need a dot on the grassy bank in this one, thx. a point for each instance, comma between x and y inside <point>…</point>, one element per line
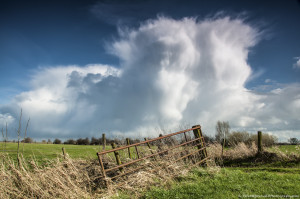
<point>230,183</point>
<point>41,153</point>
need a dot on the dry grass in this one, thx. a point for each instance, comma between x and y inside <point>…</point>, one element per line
<point>66,179</point>
<point>242,151</point>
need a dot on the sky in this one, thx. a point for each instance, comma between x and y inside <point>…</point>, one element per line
<point>139,68</point>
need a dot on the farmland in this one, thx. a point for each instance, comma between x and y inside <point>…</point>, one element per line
<point>277,178</point>
<point>51,151</point>
<point>231,183</point>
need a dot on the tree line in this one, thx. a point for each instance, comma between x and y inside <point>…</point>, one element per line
<point>223,136</point>
<point>94,141</point>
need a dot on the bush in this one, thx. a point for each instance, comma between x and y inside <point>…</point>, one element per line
<point>57,141</point>
<point>28,140</point>
<point>293,141</point>
<point>95,141</point>
<point>81,141</point>
<point>208,139</point>
<point>267,140</point>
<point>70,141</point>
<point>237,137</point>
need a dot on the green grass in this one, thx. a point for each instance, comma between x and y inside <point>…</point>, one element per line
<point>44,152</point>
<point>229,184</point>
<point>276,178</point>
<point>288,149</point>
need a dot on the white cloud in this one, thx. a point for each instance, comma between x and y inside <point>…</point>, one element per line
<point>6,118</point>
<point>268,81</point>
<point>171,71</point>
<point>297,64</point>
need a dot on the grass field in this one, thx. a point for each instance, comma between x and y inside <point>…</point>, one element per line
<point>43,152</point>
<point>230,183</point>
<point>288,149</point>
<point>278,179</point>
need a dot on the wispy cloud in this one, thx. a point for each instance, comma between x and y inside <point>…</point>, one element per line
<point>297,64</point>
<point>117,13</point>
<point>171,71</point>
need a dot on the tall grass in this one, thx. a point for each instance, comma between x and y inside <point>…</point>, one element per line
<point>78,178</point>
<point>66,179</point>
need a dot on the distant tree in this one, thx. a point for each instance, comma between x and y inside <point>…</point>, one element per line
<point>95,141</point>
<point>81,141</point>
<point>222,131</point>
<point>28,140</point>
<point>208,139</point>
<point>236,137</point>
<point>267,140</point>
<point>293,141</point>
<point>49,141</point>
<point>117,141</point>
<point>135,141</point>
<point>70,141</point>
<point>57,141</point>
<point>86,141</point>
<point>44,141</point>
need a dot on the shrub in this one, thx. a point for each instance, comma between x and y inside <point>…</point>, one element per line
<point>293,141</point>
<point>28,140</point>
<point>267,140</point>
<point>57,141</point>
<point>236,137</point>
<point>81,141</point>
<point>70,141</point>
<point>95,141</point>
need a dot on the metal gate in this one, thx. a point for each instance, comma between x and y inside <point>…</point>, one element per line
<point>182,145</point>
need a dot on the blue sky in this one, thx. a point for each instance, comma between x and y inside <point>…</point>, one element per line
<point>80,41</point>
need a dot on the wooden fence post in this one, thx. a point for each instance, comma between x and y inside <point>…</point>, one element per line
<point>148,144</point>
<point>198,134</point>
<point>129,152</point>
<point>259,142</point>
<point>103,141</point>
<point>64,152</point>
<point>137,152</point>
<point>118,160</point>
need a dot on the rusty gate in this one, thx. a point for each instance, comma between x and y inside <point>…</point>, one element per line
<point>180,145</point>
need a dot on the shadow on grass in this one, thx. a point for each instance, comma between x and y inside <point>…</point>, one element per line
<point>265,159</point>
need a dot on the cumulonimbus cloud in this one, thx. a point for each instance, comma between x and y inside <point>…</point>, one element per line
<point>171,72</point>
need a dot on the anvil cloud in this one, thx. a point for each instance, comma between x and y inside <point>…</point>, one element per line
<point>171,72</point>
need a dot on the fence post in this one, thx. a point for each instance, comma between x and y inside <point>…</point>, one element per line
<point>259,142</point>
<point>64,152</point>
<point>137,152</point>
<point>103,141</point>
<point>203,142</point>
<point>148,144</point>
<point>160,147</point>
<point>198,134</point>
<point>185,137</point>
<point>103,170</point>
<point>118,160</point>
<point>129,152</point>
